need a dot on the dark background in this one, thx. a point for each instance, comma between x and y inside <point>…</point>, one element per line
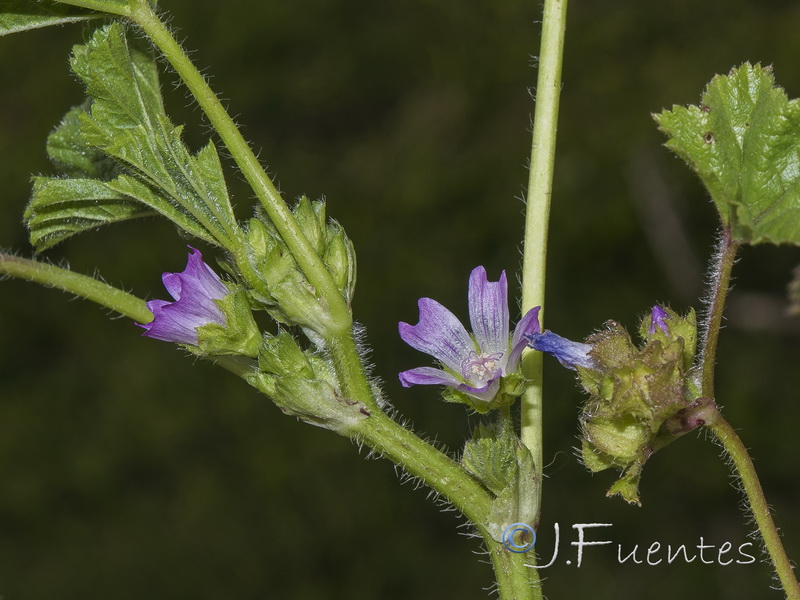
<point>130,470</point>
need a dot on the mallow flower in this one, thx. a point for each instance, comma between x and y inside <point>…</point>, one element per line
<point>477,366</point>
<point>195,291</point>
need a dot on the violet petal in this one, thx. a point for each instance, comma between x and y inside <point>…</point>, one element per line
<point>488,311</point>
<point>528,325</point>
<point>438,333</point>
<point>195,291</point>
<point>428,376</point>
<point>658,318</point>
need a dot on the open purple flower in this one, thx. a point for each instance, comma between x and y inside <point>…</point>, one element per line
<point>195,291</point>
<point>472,364</point>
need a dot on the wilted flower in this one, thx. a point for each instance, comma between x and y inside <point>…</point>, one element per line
<point>472,364</point>
<point>195,291</point>
<point>570,354</point>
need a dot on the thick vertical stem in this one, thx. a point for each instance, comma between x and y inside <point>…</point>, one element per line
<point>540,184</point>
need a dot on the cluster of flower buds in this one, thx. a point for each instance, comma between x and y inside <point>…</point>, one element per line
<point>277,283</point>
<point>640,397</point>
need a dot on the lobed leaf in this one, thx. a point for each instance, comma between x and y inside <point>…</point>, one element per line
<point>123,140</point>
<point>23,15</point>
<point>744,143</point>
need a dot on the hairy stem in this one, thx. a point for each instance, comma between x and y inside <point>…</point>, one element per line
<point>757,502</point>
<point>720,281</point>
<point>515,579</point>
<point>722,430</point>
<point>439,472</point>
<point>84,286</point>
<point>540,185</point>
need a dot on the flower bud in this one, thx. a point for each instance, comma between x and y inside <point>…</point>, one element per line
<point>310,216</point>
<point>340,258</point>
<point>277,283</point>
<point>304,385</point>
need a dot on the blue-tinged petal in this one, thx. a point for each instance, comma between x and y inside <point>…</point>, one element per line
<point>428,376</point>
<point>570,354</point>
<point>528,325</point>
<point>488,311</point>
<point>658,318</point>
<point>438,333</point>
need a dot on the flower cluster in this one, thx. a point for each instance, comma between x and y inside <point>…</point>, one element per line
<point>641,397</point>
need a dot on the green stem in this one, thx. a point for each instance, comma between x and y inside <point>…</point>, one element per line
<point>540,185</point>
<point>274,205</point>
<point>420,459</point>
<point>439,472</point>
<point>757,501</point>
<point>721,279</point>
<point>84,286</point>
<point>722,430</point>
<point>515,579</point>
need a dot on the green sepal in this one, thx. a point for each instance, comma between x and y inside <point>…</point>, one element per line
<point>617,439</point>
<point>496,457</point>
<point>511,387</point>
<point>490,456</point>
<point>281,355</point>
<point>627,486</point>
<point>683,328</point>
<point>240,334</point>
<point>304,385</point>
<point>276,281</point>
<point>340,258</point>
<point>743,140</point>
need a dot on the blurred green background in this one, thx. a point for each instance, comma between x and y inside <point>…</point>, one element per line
<point>130,470</point>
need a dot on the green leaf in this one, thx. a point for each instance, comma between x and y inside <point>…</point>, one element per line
<point>65,207</point>
<point>125,143</point>
<point>744,143</point>
<point>22,15</point>
<point>72,155</point>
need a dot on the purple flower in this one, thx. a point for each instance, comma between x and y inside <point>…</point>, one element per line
<point>570,354</point>
<point>658,318</point>
<point>195,291</point>
<point>472,364</point>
